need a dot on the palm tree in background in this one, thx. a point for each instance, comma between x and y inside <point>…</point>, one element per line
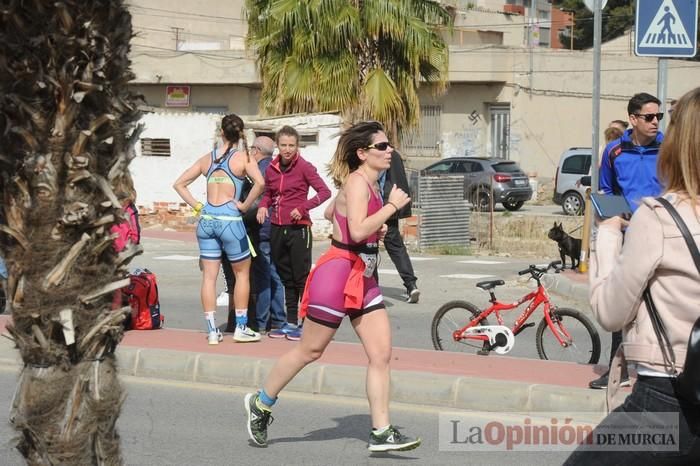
<point>365,58</point>
<point>67,130</point>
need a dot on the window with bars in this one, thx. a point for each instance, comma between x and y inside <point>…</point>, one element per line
<point>152,147</point>
<point>426,136</point>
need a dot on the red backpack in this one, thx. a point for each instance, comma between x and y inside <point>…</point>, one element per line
<point>142,294</point>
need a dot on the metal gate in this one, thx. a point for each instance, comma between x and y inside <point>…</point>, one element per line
<point>445,214</point>
<point>500,130</point>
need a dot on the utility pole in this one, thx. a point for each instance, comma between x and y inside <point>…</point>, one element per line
<point>661,79</point>
<point>530,41</point>
<point>595,126</point>
<point>573,23</point>
<point>177,36</point>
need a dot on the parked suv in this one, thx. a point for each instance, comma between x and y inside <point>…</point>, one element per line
<point>574,163</point>
<point>511,186</point>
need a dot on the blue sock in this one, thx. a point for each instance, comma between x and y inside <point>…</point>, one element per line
<point>265,398</point>
<point>241,317</point>
<point>210,320</point>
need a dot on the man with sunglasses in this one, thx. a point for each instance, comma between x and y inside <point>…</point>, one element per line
<point>628,168</point>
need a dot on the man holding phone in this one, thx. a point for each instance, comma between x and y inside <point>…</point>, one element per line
<point>628,168</point>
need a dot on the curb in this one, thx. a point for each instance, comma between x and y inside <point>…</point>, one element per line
<point>446,391</point>
<point>568,289</point>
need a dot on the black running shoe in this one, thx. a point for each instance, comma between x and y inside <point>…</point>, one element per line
<point>391,440</point>
<point>258,419</point>
<point>601,382</point>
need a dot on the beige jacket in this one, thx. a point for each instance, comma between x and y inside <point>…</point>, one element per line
<point>654,252</point>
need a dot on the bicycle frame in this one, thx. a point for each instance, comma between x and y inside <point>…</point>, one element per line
<point>536,298</point>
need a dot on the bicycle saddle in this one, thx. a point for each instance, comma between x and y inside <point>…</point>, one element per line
<point>490,284</point>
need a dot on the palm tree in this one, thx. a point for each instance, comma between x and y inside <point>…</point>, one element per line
<point>365,58</point>
<point>67,130</point>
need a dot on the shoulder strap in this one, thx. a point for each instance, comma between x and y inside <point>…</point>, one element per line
<point>689,241</point>
<point>657,323</point>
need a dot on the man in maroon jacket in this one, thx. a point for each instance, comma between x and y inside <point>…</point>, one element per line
<point>286,201</point>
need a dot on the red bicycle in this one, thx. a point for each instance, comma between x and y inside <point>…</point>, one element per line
<point>571,336</point>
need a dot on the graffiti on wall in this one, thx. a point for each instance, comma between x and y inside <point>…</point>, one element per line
<point>470,141</point>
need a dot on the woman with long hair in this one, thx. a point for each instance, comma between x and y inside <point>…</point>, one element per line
<point>342,284</point>
<point>221,222</point>
<point>653,257</point>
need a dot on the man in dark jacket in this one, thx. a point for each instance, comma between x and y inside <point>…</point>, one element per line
<point>393,242</point>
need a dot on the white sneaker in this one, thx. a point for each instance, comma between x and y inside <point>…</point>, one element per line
<point>245,335</point>
<point>222,299</point>
<point>413,296</point>
<point>215,337</point>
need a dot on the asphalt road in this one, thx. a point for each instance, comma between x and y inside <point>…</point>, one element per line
<point>173,423</point>
<point>441,279</point>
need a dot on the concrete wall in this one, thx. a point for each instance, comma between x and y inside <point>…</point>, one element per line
<point>191,136</point>
<point>550,112</point>
<point>241,100</point>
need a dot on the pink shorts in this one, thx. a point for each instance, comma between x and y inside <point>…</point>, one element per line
<point>327,299</point>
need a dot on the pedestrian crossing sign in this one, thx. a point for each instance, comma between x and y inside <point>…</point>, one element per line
<point>666,28</point>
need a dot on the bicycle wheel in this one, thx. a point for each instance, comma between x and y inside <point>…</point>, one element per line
<point>450,317</point>
<point>584,345</point>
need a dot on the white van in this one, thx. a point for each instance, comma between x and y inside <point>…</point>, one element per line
<point>573,164</point>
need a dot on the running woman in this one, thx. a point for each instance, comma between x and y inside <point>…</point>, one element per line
<point>342,283</point>
<point>221,223</point>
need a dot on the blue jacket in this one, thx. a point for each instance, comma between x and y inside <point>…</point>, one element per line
<point>630,170</point>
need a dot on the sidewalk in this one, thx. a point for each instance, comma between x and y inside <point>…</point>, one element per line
<point>450,380</point>
<point>570,283</point>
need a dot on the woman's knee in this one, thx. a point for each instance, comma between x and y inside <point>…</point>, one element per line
<point>380,357</point>
<point>311,354</point>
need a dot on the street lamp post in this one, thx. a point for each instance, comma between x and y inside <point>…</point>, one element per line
<point>571,18</point>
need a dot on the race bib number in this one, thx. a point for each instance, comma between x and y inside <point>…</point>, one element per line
<point>370,261</point>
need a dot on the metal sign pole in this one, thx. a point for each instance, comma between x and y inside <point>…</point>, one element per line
<point>661,79</point>
<point>595,123</point>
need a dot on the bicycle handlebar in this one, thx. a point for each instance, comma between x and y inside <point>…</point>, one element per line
<point>534,269</point>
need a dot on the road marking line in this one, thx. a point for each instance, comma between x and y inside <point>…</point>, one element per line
<point>176,257</point>
<point>418,259</point>
<point>481,262</point>
<point>468,276</point>
<point>388,271</point>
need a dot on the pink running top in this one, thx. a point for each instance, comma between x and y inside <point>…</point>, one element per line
<point>375,203</point>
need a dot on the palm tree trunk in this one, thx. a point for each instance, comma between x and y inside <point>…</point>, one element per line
<point>67,130</point>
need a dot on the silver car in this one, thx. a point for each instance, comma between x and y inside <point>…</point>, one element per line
<point>574,163</point>
<point>511,186</point>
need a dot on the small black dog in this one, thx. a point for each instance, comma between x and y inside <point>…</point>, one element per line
<point>568,246</point>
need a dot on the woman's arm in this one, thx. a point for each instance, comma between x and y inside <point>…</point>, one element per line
<point>357,195</point>
<point>187,177</point>
<point>620,273</point>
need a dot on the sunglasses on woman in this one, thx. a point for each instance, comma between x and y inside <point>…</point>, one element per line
<point>380,145</point>
<point>649,117</point>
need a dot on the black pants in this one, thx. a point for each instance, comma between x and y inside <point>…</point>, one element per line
<point>291,254</point>
<point>652,395</point>
<point>393,242</point>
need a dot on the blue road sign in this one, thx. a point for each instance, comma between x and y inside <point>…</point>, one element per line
<point>666,28</point>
